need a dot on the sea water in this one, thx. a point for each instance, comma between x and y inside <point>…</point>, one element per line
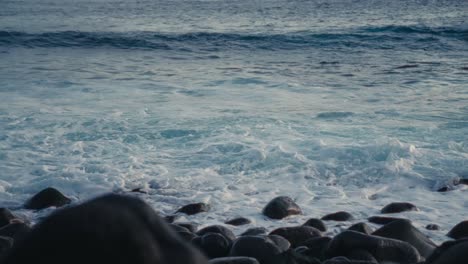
<point>339,104</point>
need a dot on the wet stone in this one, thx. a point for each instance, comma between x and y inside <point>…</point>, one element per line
<point>398,208</point>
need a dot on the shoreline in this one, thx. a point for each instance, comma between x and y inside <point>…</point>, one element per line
<point>335,228</point>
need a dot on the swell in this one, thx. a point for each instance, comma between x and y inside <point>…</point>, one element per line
<point>373,37</point>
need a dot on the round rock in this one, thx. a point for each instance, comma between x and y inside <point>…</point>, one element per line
<point>5,217</point>
<point>316,223</point>
<point>383,249</point>
<point>47,198</point>
<point>297,234</point>
<point>262,248</point>
<point>226,232</point>
<point>280,207</point>
<point>214,245</point>
<point>195,208</point>
<point>338,216</point>
<point>432,227</point>
<point>459,231</point>
<point>398,208</point>
<point>254,231</point>
<point>361,228</point>
<point>404,231</point>
<point>238,221</point>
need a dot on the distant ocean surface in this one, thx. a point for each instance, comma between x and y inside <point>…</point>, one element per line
<point>342,105</point>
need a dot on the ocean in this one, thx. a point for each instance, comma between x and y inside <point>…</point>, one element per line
<point>341,105</point>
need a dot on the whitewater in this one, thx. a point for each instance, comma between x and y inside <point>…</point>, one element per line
<point>341,105</point>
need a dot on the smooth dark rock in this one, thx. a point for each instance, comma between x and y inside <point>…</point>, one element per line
<point>47,198</point>
<point>460,230</point>
<point>178,228</point>
<point>170,218</point>
<point>361,255</point>
<point>383,249</point>
<point>362,228</point>
<point>190,226</point>
<point>186,236</point>
<point>450,252</point>
<point>444,189</point>
<point>317,246</point>
<point>234,260</point>
<point>432,227</point>
<point>5,217</point>
<point>226,232</point>
<point>214,245</point>
<point>15,230</point>
<point>238,221</point>
<point>262,248</point>
<point>463,181</point>
<point>139,190</point>
<point>316,223</point>
<point>280,207</point>
<point>398,208</point>
<point>113,229</point>
<point>338,216</point>
<point>254,231</point>
<point>404,231</point>
<point>383,220</point>
<point>194,208</point>
<point>282,243</point>
<point>297,256</point>
<point>297,234</point>
<point>5,244</point>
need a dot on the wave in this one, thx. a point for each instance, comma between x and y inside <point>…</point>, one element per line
<point>373,37</point>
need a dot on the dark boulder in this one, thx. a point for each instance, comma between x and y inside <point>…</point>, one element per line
<point>318,246</point>
<point>432,227</point>
<point>15,230</point>
<point>254,231</point>
<point>234,260</point>
<point>195,208</point>
<point>338,216</point>
<point>361,255</point>
<point>316,223</point>
<point>170,218</point>
<point>110,229</point>
<point>403,230</point>
<point>398,208</point>
<point>214,245</point>
<point>383,249</point>
<point>450,252</point>
<point>5,244</point>
<point>262,248</point>
<point>280,207</point>
<point>282,243</point>
<point>47,198</point>
<point>186,236</point>
<point>5,217</point>
<point>178,228</point>
<point>238,221</point>
<point>190,226</point>
<point>226,232</point>
<point>383,220</point>
<point>460,230</point>
<point>362,228</point>
<point>297,234</point>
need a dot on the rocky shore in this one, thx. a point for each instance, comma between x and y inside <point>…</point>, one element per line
<point>117,228</point>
